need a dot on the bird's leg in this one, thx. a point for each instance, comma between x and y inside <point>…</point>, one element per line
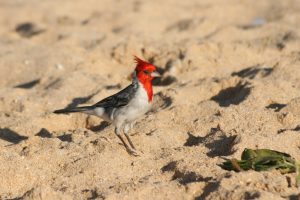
<point>130,151</point>
<point>132,124</point>
<point>118,133</point>
<point>126,130</point>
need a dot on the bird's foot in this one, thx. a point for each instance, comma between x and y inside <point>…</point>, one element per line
<point>106,139</point>
<point>134,152</point>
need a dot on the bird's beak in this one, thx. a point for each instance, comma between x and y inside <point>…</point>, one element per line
<point>155,74</point>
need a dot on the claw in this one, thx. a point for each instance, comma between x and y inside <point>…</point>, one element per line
<point>133,152</point>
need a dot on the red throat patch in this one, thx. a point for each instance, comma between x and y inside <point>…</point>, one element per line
<point>148,87</point>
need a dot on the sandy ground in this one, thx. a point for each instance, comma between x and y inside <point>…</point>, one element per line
<point>231,80</point>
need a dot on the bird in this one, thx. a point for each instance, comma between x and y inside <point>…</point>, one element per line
<point>125,107</point>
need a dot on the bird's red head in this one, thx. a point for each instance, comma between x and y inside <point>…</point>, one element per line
<point>145,72</point>
<point>144,68</point>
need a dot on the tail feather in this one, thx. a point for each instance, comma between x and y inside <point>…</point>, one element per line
<point>70,110</point>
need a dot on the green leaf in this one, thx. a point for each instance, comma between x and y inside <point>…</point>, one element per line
<point>263,160</point>
<point>250,154</point>
<point>236,165</point>
<point>298,174</point>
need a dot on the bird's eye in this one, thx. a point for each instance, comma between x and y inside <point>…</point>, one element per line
<point>147,72</point>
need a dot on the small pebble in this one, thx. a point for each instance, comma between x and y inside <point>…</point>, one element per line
<point>59,66</point>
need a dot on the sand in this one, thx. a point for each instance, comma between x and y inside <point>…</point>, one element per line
<point>230,80</point>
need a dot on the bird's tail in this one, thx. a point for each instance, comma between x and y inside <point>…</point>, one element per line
<point>70,110</point>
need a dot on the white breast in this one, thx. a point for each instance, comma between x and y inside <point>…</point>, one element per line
<point>136,108</point>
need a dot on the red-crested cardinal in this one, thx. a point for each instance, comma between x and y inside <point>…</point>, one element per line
<point>126,106</point>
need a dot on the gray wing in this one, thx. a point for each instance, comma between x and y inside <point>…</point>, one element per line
<point>119,99</point>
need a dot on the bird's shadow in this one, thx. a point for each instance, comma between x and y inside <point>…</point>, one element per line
<point>253,71</point>
<point>28,85</point>
<point>276,106</point>
<point>232,95</point>
<point>210,187</point>
<point>44,133</point>
<point>99,127</point>
<point>28,30</point>
<point>80,100</point>
<point>218,143</point>
<point>11,136</point>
